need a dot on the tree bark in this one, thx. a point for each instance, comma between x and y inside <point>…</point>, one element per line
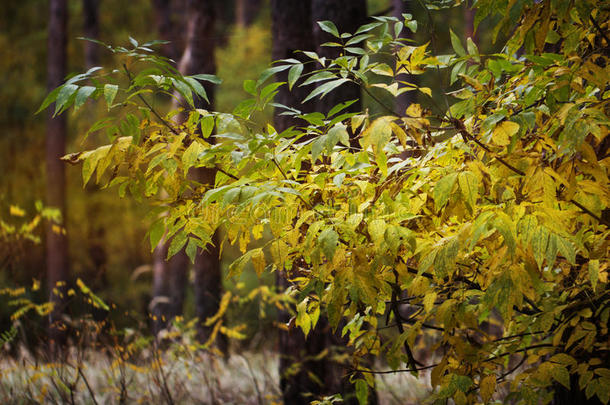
<point>169,18</point>
<point>291,31</point>
<point>91,30</point>
<point>56,240</point>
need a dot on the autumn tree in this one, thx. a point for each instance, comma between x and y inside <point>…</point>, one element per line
<point>500,210</point>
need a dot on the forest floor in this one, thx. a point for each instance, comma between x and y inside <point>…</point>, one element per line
<point>176,377</point>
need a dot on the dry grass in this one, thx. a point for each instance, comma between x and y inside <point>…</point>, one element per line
<point>176,376</point>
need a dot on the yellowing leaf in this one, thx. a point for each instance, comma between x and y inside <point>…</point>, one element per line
<point>442,190</point>
<point>469,185</point>
<point>429,300</point>
<point>487,387</point>
<point>16,211</point>
<point>502,133</point>
<point>303,320</point>
<point>328,241</point>
<point>594,272</point>
<point>258,261</point>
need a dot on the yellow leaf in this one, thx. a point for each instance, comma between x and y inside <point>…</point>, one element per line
<point>487,387</point>
<point>429,300</point>
<point>594,272</point>
<point>502,133</point>
<point>414,111</point>
<point>16,211</point>
<point>258,260</point>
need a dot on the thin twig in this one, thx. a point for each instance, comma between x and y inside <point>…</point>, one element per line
<point>80,371</point>
<point>150,107</point>
<point>404,370</point>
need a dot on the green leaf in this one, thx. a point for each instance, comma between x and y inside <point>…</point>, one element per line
<point>329,27</point>
<point>293,74</point>
<point>561,375</point>
<point>64,96</point>
<point>207,125</point>
<point>184,89</point>
<point>207,78</point>
<point>442,190</point>
<point>250,87</point>
<point>190,155</point>
<point>52,96</point>
<point>110,91</point>
<point>456,43</point>
<point>472,49</point>
<point>177,243</point>
<point>191,249</point>
<point>198,88</point>
<point>325,88</point>
<point>157,229</point>
<point>328,239</point>
<point>362,392</point>
<point>82,95</point>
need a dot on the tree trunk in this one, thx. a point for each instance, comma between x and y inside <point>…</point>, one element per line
<point>56,240</point>
<point>198,57</point>
<point>246,12</point>
<point>91,30</point>
<point>169,19</point>
<point>291,30</point>
<point>405,99</point>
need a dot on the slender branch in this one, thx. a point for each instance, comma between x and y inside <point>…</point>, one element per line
<point>517,336</point>
<point>590,213</point>
<point>385,107</point>
<point>405,370</point>
<point>518,351</point>
<point>80,371</point>
<point>227,173</point>
<point>512,370</point>
<point>460,127</point>
<point>164,122</point>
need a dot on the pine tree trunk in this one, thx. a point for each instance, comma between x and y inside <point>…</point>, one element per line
<point>56,240</point>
